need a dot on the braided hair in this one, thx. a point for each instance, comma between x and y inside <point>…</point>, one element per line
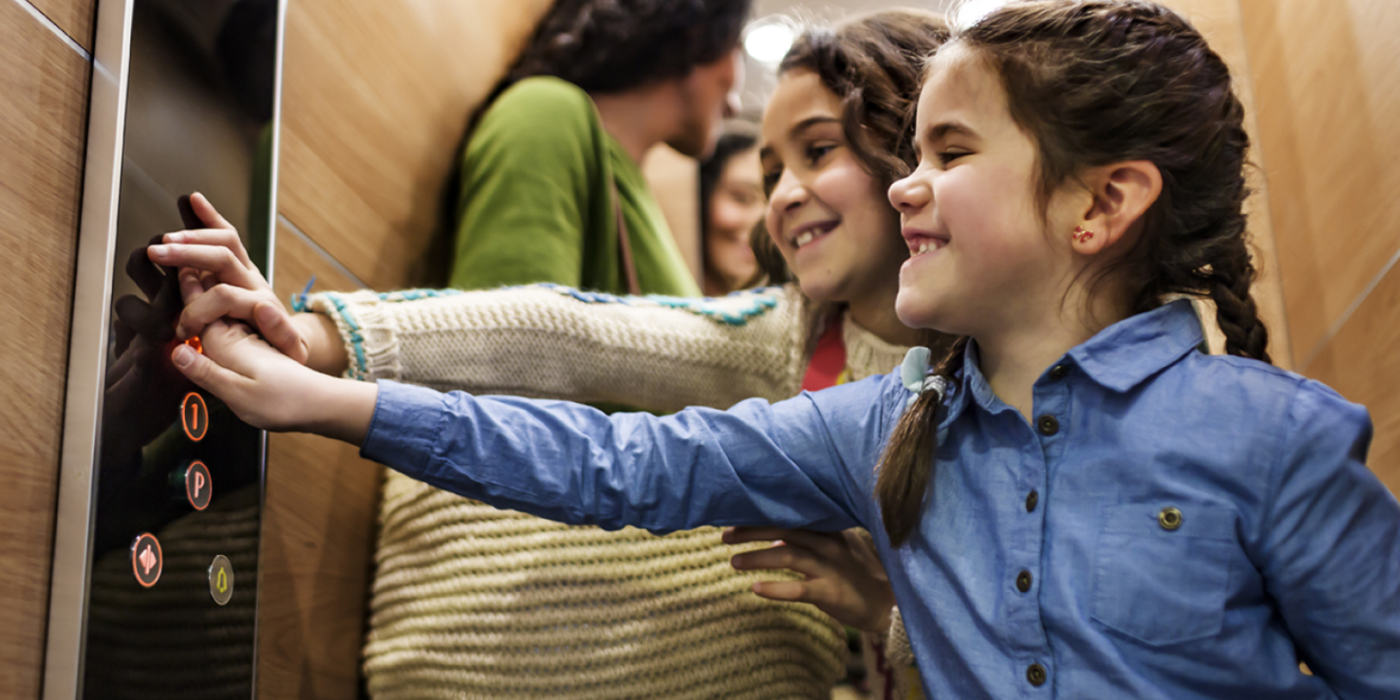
<point>1094,82</point>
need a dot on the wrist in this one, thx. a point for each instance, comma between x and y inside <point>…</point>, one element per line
<point>325,351</point>
<point>338,408</point>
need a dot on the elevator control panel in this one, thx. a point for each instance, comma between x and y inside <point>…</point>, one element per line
<point>157,547</point>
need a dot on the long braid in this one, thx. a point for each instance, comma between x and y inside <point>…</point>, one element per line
<point>1097,82</point>
<point>906,468</point>
<point>1235,312</point>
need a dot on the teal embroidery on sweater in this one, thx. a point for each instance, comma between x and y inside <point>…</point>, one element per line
<point>417,294</point>
<point>357,341</point>
<point>733,310</point>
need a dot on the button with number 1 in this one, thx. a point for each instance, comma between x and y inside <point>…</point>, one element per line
<point>194,415</point>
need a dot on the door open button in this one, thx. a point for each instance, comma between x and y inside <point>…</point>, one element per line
<point>195,416</point>
<point>221,580</point>
<point>193,484</point>
<point>146,559</point>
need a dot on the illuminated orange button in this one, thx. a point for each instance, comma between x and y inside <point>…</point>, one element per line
<point>194,343</point>
<point>146,559</point>
<point>195,416</point>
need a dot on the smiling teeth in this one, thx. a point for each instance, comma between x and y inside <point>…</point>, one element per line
<point>804,239</point>
<point>926,246</point>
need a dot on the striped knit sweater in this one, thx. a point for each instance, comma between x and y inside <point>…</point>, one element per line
<point>471,601</point>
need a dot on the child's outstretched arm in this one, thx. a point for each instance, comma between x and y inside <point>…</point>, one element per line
<point>804,462</point>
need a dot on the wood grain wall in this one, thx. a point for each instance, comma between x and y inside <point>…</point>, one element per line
<point>1327,86</point>
<point>43,112</point>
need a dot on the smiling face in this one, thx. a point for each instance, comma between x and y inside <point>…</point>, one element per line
<point>982,259</point>
<point>826,214</point>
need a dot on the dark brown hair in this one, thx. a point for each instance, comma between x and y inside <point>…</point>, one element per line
<point>1094,82</point>
<point>874,63</point>
<point>610,46</point>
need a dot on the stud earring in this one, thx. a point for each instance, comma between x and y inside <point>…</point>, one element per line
<point>1081,234</point>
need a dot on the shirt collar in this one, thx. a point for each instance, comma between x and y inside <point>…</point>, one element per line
<point>1118,358</point>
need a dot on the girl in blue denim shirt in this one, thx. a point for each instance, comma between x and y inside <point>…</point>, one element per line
<point>1076,502</point>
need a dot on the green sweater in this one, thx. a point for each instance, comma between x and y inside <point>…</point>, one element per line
<point>536,203</point>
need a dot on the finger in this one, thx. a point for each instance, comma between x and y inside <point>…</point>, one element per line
<point>213,304</point>
<point>207,213</point>
<point>206,373</point>
<point>782,557</point>
<point>827,544</point>
<point>191,286</point>
<point>143,319</point>
<point>143,273</point>
<point>277,328</point>
<point>121,335</point>
<point>797,591</point>
<point>221,237</point>
<point>216,259</point>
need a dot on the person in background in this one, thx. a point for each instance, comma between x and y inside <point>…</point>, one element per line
<point>550,184</point>
<point>731,204</point>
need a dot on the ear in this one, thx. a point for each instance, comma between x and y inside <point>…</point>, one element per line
<point>1121,194</point>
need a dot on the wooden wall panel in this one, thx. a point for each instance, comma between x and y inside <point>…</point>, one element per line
<point>377,96</point>
<point>43,111</point>
<point>1222,25</point>
<point>1363,364</point>
<point>1327,83</point>
<point>318,536</point>
<point>75,17</point>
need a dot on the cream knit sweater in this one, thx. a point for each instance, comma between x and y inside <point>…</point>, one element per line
<point>471,601</point>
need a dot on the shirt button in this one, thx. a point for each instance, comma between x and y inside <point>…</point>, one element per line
<point>1059,372</point>
<point>1048,425</point>
<point>1169,518</point>
<point>1023,581</point>
<point>1032,498</point>
<point>1035,673</point>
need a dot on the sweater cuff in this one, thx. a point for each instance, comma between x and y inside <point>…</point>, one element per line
<point>368,329</point>
<point>404,430</point>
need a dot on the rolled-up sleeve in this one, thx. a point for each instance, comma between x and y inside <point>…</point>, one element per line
<point>797,463</point>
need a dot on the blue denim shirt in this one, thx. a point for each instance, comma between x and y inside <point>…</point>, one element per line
<point>1174,525</point>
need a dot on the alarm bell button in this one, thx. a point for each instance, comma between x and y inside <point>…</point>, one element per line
<point>221,580</point>
<point>146,559</point>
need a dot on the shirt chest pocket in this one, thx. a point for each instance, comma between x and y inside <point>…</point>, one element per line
<point>1162,570</point>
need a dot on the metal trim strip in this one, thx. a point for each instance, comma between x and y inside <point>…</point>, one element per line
<point>87,357</point>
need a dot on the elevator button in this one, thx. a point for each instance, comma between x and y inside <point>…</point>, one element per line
<point>194,415</point>
<point>221,580</point>
<point>146,559</point>
<point>193,484</point>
